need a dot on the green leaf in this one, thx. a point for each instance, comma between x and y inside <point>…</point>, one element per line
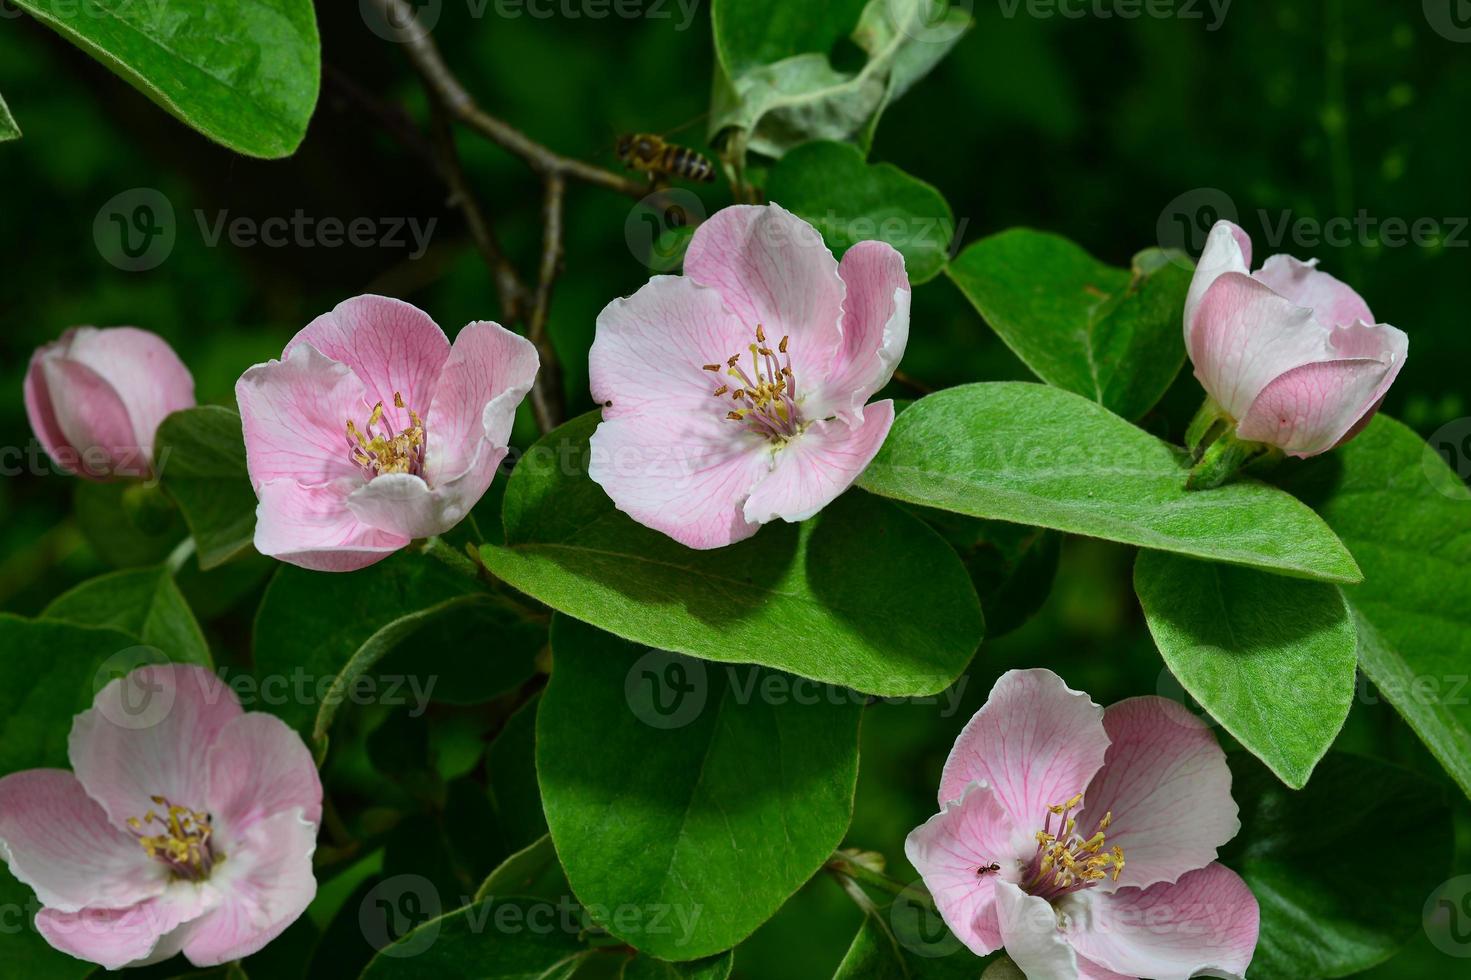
<point>648,968</point>
<point>200,457</point>
<point>1112,335</point>
<point>863,595</point>
<point>49,672</point>
<point>519,873</point>
<point>511,765</point>
<point>877,953</point>
<point>142,602</point>
<point>1035,455</point>
<point>1324,912</point>
<point>1274,660</point>
<point>1011,565</point>
<point>103,517</point>
<point>748,33</point>
<point>1406,517</point>
<point>727,797</point>
<point>331,631</point>
<point>778,103</point>
<point>243,73</point>
<point>9,130</point>
<point>495,939</point>
<point>848,201</point>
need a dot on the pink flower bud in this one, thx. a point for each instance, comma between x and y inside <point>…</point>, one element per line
<point>1291,354</point>
<point>95,399</point>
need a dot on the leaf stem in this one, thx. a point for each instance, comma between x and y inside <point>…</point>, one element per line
<point>1225,458</point>
<point>844,865</point>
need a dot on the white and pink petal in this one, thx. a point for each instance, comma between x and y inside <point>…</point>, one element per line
<point>488,373</point>
<point>313,528</point>
<point>392,347</point>
<point>91,417</point>
<point>1312,408</point>
<point>651,349</point>
<point>814,468</point>
<point>1244,335</point>
<point>141,934</point>
<point>1035,741</point>
<point>1029,929</point>
<point>687,475</point>
<point>259,767</point>
<point>265,886</point>
<point>961,853</point>
<point>149,735</point>
<point>1227,249</point>
<point>59,841</point>
<point>875,331</point>
<point>142,369</point>
<point>1204,924</point>
<point>772,268</point>
<point>1334,303</point>
<point>1166,783</point>
<point>295,413</point>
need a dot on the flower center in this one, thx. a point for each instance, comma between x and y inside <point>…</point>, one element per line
<point>766,399</point>
<point>1067,862</point>
<point>182,842</point>
<point>377,449</point>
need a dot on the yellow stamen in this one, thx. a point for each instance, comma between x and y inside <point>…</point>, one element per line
<point>1066,861</point>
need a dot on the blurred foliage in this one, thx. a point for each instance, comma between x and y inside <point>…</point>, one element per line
<point>1086,127</point>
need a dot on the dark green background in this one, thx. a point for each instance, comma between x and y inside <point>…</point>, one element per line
<point>1088,127</point>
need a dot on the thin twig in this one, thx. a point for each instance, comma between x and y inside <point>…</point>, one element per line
<point>547,394</point>
<point>913,383</point>
<point>444,158</point>
<point>424,53</point>
<point>452,98</point>
<point>508,285</point>
<point>393,119</point>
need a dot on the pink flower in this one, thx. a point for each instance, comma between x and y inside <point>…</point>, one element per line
<point>1291,354</point>
<point>372,431</point>
<point>1084,840</point>
<point>736,393</point>
<point>95,399</point>
<point>189,825</point>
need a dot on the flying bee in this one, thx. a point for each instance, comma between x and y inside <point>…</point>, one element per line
<point>651,154</point>
<point>987,869</point>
